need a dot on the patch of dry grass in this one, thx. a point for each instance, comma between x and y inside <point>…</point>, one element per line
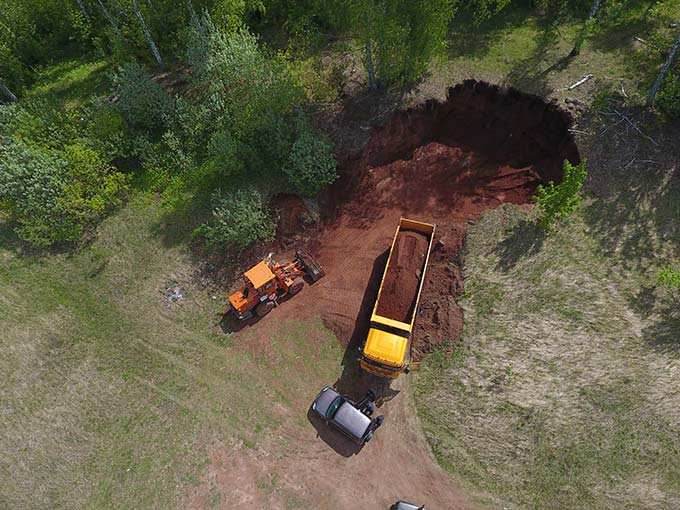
<point>555,397</point>
<point>109,392</point>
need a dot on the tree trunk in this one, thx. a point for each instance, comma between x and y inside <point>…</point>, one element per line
<point>83,10</point>
<point>664,71</point>
<point>584,30</point>
<point>7,93</point>
<point>147,35</point>
<point>368,63</point>
<point>110,18</point>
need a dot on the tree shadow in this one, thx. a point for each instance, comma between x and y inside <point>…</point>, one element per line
<point>664,334</point>
<point>523,73</point>
<point>637,186</point>
<point>468,38</point>
<point>525,240</point>
<point>353,381</point>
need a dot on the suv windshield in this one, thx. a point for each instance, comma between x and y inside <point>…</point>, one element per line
<point>333,408</point>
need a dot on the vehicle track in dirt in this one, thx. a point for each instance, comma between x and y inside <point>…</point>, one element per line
<point>444,163</point>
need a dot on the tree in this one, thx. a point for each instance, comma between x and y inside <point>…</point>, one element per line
<point>586,29</point>
<point>311,166</point>
<point>664,71</point>
<point>398,37</point>
<point>147,34</point>
<point>9,95</point>
<point>559,201</point>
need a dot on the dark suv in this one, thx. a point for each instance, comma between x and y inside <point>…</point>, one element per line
<point>352,419</point>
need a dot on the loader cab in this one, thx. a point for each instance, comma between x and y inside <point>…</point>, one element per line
<point>259,285</point>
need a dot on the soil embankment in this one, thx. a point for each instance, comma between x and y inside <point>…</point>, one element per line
<point>404,270</point>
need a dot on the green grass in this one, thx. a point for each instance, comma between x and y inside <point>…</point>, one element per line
<point>110,395</point>
<point>71,82</point>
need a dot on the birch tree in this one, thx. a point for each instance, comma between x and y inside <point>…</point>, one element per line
<point>586,29</point>
<point>664,72</point>
<point>147,35</point>
<point>112,21</point>
<point>8,94</point>
<point>84,10</point>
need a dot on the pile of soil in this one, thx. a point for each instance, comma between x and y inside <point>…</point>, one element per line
<point>442,162</point>
<point>404,269</point>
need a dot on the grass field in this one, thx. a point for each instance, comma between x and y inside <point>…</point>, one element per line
<point>111,393</point>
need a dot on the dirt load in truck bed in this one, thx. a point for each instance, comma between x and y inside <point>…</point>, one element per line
<point>402,280</point>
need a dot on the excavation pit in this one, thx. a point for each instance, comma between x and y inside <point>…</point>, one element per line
<point>445,163</point>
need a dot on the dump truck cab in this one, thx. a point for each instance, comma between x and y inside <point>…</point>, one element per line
<point>387,349</point>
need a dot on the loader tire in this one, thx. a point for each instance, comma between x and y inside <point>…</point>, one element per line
<point>264,308</point>
<point>298,283</point>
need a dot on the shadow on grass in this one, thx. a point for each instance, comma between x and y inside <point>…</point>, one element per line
<point>525,73</point>
<point>637,185</point>
<point>664,332</point>
<point>525,240</point>
<point>470,39</point>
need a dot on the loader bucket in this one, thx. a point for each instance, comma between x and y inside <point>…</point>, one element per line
<point>311,267</point>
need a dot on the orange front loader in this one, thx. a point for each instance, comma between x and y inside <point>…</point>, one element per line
<point>268,281</point>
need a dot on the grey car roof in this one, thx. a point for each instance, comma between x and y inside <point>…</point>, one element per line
<point>325,398</point>
<point>352,420</point>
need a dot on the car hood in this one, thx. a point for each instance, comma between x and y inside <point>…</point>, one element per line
<point>352,420</point>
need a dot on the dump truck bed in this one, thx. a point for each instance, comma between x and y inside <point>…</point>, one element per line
<point>387,348</point>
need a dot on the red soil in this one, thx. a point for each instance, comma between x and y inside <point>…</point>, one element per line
<point>444,163</point>
<point>402,280</point>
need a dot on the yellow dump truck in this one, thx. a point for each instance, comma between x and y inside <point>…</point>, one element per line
<point>387,350</point>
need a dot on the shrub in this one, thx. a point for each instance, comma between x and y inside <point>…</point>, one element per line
<point>144,103</point>
<point>668,98</point>
<point>558,202</point>
<point>52,197</point>
<point>670,277</point>
<point>238,220</point>
<point>311,166</point>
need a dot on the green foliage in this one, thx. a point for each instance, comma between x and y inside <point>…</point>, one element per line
<point>239,219</point>
<point>558,202</point>
<point>670,277</point>
<point>53,197</point>
<point>400,36</point>
<point>143,103</point>
<point>311,166</point>
<point>668,98</point>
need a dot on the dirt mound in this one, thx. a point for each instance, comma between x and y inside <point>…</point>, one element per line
<point>402,280</point>
<point>444,163</point>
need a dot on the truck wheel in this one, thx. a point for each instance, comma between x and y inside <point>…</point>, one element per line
<point>378,421</point>
<point>298,283</point>
<point>368,437</point>
<point>264,308</point>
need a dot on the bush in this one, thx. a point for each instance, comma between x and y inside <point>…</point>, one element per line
<point>670,277</point>
<point>144,103</point>
<point>668,98</point>
<point>558,202</point>
<point>52,197</point>
<point>311,166</point>
<point>239,219</point>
